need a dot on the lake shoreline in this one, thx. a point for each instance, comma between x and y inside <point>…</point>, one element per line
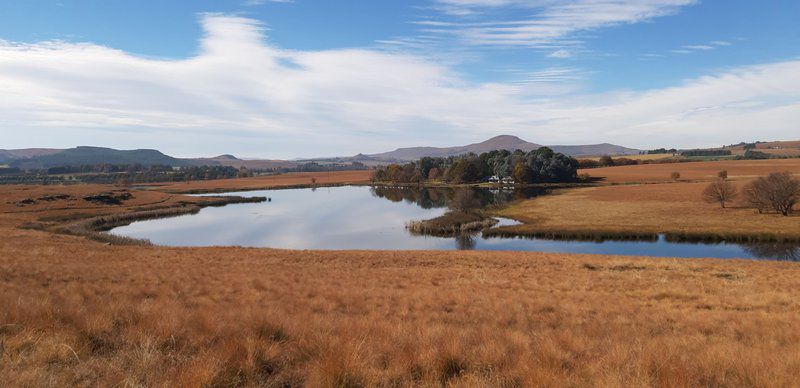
<point>445,231</point>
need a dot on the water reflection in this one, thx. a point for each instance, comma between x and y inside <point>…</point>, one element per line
<point>454,198</point>
<point>375,218</point>
<point>466,242</point>
<point>776,250</point>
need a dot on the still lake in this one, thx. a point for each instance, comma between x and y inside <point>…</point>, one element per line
<point>361,217</point>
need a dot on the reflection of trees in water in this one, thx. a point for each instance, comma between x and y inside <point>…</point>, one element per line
<point>422,197</point>
<point>438,197</point>
<point>778,251</point>
<point>465,200</point>
<point>465,242</point>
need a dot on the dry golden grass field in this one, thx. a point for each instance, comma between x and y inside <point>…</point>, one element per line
<point>645,208</point>
<point>737,169</point>
<point>635,157</point>
<point>75,312</point>
<point>271,181</point>
<point>621,204</point>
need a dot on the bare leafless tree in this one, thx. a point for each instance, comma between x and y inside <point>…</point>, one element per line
<point>779,191</point>
<point>720,191</point>
<point>754,197</point>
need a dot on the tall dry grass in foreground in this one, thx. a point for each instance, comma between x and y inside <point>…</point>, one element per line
<point>74,312</point>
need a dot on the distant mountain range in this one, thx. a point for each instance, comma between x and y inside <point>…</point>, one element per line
<point>502,142</point>
<point>41,158</point>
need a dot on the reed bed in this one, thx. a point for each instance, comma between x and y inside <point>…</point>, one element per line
<point>612,235</point>
<point>569,235</point>
<point>452,224</point>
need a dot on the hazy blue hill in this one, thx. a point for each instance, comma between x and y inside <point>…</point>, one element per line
<point>502,142</point>
<point>594,150</point>
<point>98,155</point>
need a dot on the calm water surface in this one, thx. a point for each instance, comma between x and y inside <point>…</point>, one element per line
<point>374,218</point>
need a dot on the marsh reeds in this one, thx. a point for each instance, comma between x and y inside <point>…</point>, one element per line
<point>451,224</point>
<point>610,235</point>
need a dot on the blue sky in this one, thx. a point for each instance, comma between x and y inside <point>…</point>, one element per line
<point>308,78</point>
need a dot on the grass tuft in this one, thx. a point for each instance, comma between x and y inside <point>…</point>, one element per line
<point>451,367</point>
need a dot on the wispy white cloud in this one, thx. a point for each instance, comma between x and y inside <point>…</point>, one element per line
<point>546,23</point>
<point>693,48</point>
<point>701,47</point>
<point>561,54</point>
<point>242,94</point>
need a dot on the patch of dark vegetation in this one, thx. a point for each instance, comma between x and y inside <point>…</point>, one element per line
<point>272,333</point>
<point>11,329</point>
<point>100,344</point>
<point>569,235</point>
<point>30,225</point>
<point>229,200</point>
<point>602,236</point>
<point>109,198</point>
<point>452,223</point>
<point>26,201</point>
<point>730,237</point>
<point>450,368</point>
<point>617,268</point>
<point>627,267</point>
<point>56,197</point>
<point>45,198</point>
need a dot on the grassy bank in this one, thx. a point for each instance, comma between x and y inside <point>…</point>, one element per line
<point>621,212</point>
<point>95,227</point>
